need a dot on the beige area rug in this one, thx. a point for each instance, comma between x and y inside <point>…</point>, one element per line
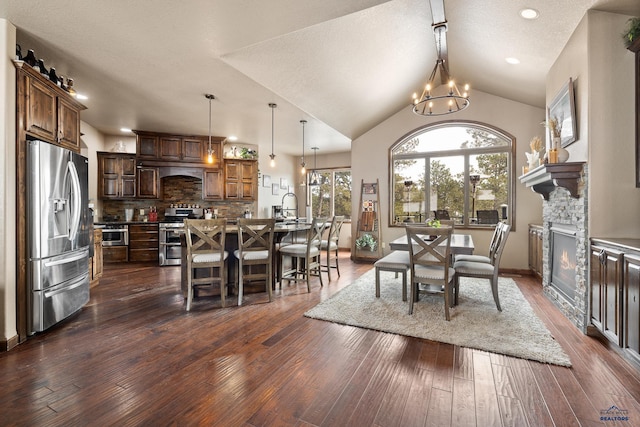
<point>475,322</point>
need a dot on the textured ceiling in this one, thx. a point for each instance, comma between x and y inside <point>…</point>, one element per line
<point>343,65</point>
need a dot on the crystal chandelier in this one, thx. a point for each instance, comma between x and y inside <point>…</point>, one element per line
<point>437,100</point>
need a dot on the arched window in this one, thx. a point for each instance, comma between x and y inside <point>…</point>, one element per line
<point>456,169</point>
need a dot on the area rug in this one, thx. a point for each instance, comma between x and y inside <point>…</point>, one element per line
<point>475,322</point>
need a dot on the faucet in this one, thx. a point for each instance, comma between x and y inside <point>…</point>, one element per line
<point>296,200</point>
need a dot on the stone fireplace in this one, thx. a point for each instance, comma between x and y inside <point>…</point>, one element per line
<point>565,231</point>
<point>565,247</point>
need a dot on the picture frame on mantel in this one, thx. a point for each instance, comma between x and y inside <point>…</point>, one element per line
<point>563,107</point>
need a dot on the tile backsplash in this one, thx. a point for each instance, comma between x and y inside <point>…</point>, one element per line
<point>175,190</point>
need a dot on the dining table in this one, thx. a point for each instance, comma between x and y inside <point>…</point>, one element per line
<point>460,244</point>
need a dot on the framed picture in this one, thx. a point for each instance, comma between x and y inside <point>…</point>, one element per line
<point>369,188</point>
<point>283,183</point>
<point>266,180</point>
<point>563,108</point>
<point>275,189</point>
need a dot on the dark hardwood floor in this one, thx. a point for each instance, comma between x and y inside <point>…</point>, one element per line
<point>133,356</point>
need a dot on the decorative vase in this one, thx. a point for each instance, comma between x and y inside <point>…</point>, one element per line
<point>562,153</point>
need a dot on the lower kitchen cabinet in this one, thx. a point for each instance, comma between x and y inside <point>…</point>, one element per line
<point>615,292</point>
<point>143,242</point>
<point>95,263</point>
<point>115,254</point>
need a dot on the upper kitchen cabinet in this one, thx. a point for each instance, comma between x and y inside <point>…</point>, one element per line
<point>148,183</point>
<point>46,111</point>
<point>116,176</point>
<point>241,179</point>
<point>176,148</point>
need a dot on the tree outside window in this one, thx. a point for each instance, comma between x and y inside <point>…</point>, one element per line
<point>333,194</point>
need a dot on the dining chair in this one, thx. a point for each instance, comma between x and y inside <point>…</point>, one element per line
<point>205,250</point>
<point>305,256</point>
<point>487,216</point>
<point>397,262</point>
<point>330,245</point>
<point>255,247</point>
<point>430,261</point>
<point>492,249</point>
<point>441,214</point>
<point>483,270</point>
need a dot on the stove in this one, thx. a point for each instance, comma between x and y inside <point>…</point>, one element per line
<point>170,228</point>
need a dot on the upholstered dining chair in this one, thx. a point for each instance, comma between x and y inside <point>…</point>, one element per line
<point>205,250</point>
<point>305,256</point>
<point>484,270</point>
<point>430,262</point>
<point>330,246</point>
<point>255,247</point>
<point>492,249</point>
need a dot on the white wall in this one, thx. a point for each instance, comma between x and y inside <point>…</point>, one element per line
<point>286,169</point>
<point>91,142</point>
<point>370,160</point>
<point>7,182</point>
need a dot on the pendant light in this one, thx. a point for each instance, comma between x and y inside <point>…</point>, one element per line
<point>272,156</point>
<point>303,165</point>
<point>210,152</point>
<point>314,178</point>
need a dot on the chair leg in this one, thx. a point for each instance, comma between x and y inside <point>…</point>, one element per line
<point>414,290</point>
<point>328,264</point>
<point>494,290</point>
<point>337,264</point>
<point>456,289</point>
<point>240,282</point>
<point>378,282</point>
<point>404,285</point>
<point>446,301</point>
<point>189,287</point>
<point>223,283</point>
<point>320,269</point>
<point>269,280</point>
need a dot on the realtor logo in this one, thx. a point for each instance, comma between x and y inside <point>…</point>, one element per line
<point>614,414</point>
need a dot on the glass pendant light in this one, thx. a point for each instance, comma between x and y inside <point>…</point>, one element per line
<point>303,165</point>
<point>314,178</point>
<point>210,152</point>
<point>272,156</point>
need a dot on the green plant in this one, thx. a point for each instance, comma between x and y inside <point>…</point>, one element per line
<point>435,223</point>
<point>632,32</point>
<point>366,240</point>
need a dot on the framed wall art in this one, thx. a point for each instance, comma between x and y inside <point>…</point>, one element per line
<point>266,180</point>
<point>563,108</point>
<point>275,189</point>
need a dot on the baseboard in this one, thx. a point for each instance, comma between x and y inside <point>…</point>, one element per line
<point>6,345</point>
<point>516,272</point>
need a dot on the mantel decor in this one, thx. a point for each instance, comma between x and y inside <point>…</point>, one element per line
<point>545,178</point>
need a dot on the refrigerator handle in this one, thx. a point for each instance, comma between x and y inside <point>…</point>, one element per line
<point>76,200</point>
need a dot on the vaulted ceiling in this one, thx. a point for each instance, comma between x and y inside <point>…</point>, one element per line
<point>343,65</point>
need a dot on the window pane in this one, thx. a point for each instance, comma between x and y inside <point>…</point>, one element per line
<point>409,191</point>
<point>342,194</point>
<point>491,190</point>
<point>448,138</point>
<point>321,196</point>
<point>447,188</point>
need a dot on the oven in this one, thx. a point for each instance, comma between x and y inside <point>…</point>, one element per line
<point>169,249</point>
<point>171,229</point>
<point>114,234</point>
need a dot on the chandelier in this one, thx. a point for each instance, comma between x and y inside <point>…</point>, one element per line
<point>438,100</point>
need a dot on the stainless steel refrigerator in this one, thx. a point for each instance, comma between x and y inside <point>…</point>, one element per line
<point>58,240</point>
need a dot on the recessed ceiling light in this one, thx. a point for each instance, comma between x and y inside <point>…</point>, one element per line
<point>513,61</point>
<point>125,130</point>
<point>529,13</point>
<point>81,96</point>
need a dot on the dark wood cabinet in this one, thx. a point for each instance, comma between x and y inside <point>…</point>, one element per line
<point>212,184</point>
<point>193,150</point>
<point>535,249</point>
<point>148,183</point>
<point>182,149</point>
<point>143,242</point>
<point>96,262</point>
<point>113,254</point>
<point>631,308</point>
<point>116,176</point>
<point>606,291</point>
<point>147,147</point>
<point>241,179</point>
<point>46,111</point>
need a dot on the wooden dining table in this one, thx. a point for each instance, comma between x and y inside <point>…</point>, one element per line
<point>460,244</point>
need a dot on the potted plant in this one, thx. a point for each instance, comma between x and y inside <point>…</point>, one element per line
<point>633,31</point>
<point>366,240</point>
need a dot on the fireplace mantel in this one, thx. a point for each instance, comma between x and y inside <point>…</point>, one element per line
<point>545,178</point>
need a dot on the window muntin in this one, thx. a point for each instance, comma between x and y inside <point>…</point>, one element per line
<point>448,154</point>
